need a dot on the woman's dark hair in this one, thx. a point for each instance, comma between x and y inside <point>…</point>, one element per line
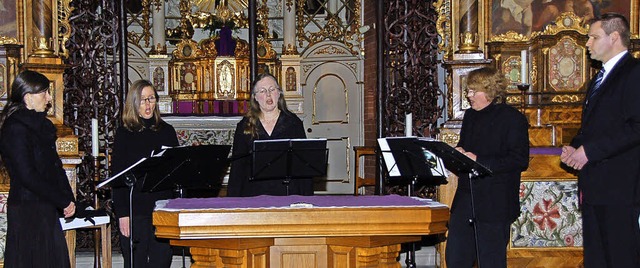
<point>130,116</point>
<point>254,112</point>
<point>25,82</point>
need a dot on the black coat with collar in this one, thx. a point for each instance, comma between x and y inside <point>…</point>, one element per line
<point>610,134</point>
<point>128,148</point>
<point>28,148</point>
<point>39,192</point>
<point>498,136</point>
<point>288,126</point>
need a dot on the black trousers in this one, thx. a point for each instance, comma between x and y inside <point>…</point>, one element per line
<point>611,236</point>
<point>492,239</point>
<point>148,251</point>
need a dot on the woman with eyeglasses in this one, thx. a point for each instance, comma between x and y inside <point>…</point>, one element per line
<point>40,192</point>
<point>141,133</point>
<point>268,118</point>
<point>495,135</point>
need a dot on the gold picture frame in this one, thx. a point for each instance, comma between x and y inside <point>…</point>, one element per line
<point>454,15</point>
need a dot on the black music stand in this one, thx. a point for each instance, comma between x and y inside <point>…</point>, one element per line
<point>409,164</point>
<point>288,159</point>
<point>459,163</point>
<point>173,168</point>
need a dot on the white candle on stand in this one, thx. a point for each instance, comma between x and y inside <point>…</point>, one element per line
<point>408,125</point>
<point>524,73</point>
<point>94,138</point>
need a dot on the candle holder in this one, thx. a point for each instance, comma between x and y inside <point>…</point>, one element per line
<point>96,205</point>
<point>523,90</point>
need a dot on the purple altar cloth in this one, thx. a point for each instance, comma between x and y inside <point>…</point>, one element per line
<point>265,201</point>
<point>546,150</point>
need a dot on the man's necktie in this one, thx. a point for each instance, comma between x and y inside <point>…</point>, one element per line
<point>598,82</point>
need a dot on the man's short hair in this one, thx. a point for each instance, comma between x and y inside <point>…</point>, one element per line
<point>614,22</point>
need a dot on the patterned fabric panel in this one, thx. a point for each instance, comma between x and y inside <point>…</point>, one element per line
<point>550,216</point>
<point>3,222</point>
<point>191,137</point>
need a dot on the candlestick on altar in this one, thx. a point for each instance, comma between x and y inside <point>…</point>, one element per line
<point>95,146</point>
<point>408,125</point>
<point>524,73</point>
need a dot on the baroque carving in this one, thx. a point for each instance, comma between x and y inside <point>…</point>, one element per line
<point>307,67</point>
<point>291,49</point>
<point>91,90</point>
<point>330,50</point>
<point>510,36</point>
<point>312,29</point>
<point>187,49</point>
<point>67,146</point>
<point>564,22</point>
<point>289,4</point>
<point>566,65</point>
<point>443,26</point>
<point>411,44</point>
<point>561,99</point>
<point>64,29</point>
<point>290,80</point>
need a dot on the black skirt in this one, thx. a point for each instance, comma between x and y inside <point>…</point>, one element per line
<point>34,237</point>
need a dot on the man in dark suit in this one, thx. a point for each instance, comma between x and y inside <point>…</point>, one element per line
<point>606,149</point>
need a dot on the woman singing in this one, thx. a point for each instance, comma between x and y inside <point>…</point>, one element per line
<point>268,118</point>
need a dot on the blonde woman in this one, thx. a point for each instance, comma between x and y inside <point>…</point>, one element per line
<point>142,132</point>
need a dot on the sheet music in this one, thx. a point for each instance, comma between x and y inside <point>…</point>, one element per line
<point>105,182</point>
<point>392,168</point>
<point>292,140</point>
<point>435,163</point>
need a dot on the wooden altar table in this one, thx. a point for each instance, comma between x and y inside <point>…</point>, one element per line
<point>298,231</point>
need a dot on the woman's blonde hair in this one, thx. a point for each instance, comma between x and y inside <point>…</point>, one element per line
<point>130,116</point>
<point>487,80</point>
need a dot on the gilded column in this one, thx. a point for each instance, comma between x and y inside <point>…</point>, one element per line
<point>468,12</point>
<point>41,28</point>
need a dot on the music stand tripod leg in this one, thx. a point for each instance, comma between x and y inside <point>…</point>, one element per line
<point>130,180</point>
<point>180,191</point>
<point>410,261</point>
<point>472,221</point>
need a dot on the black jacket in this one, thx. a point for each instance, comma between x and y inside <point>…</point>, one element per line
<point>28,148</point>
<point>288,126</point>
<point>610,134</point>
<point>128,148</point>
<point>498,136</point>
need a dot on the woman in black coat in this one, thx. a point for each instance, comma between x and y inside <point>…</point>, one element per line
<point>495,135</point>
<point>268,118</point>
<point>40,192</point>
<point>142,132</point>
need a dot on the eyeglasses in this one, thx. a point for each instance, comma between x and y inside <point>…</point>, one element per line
<point>265,90</point>
<point>151,100</point>
<point>471,92</point>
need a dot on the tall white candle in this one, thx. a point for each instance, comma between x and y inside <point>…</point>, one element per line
<point>524,73</point>
<point>94,137</point>
<point>408,125</point>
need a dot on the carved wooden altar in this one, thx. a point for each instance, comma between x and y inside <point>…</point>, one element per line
<point>201,81</point>
<point>557,68</point>
<point>254,232</point>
